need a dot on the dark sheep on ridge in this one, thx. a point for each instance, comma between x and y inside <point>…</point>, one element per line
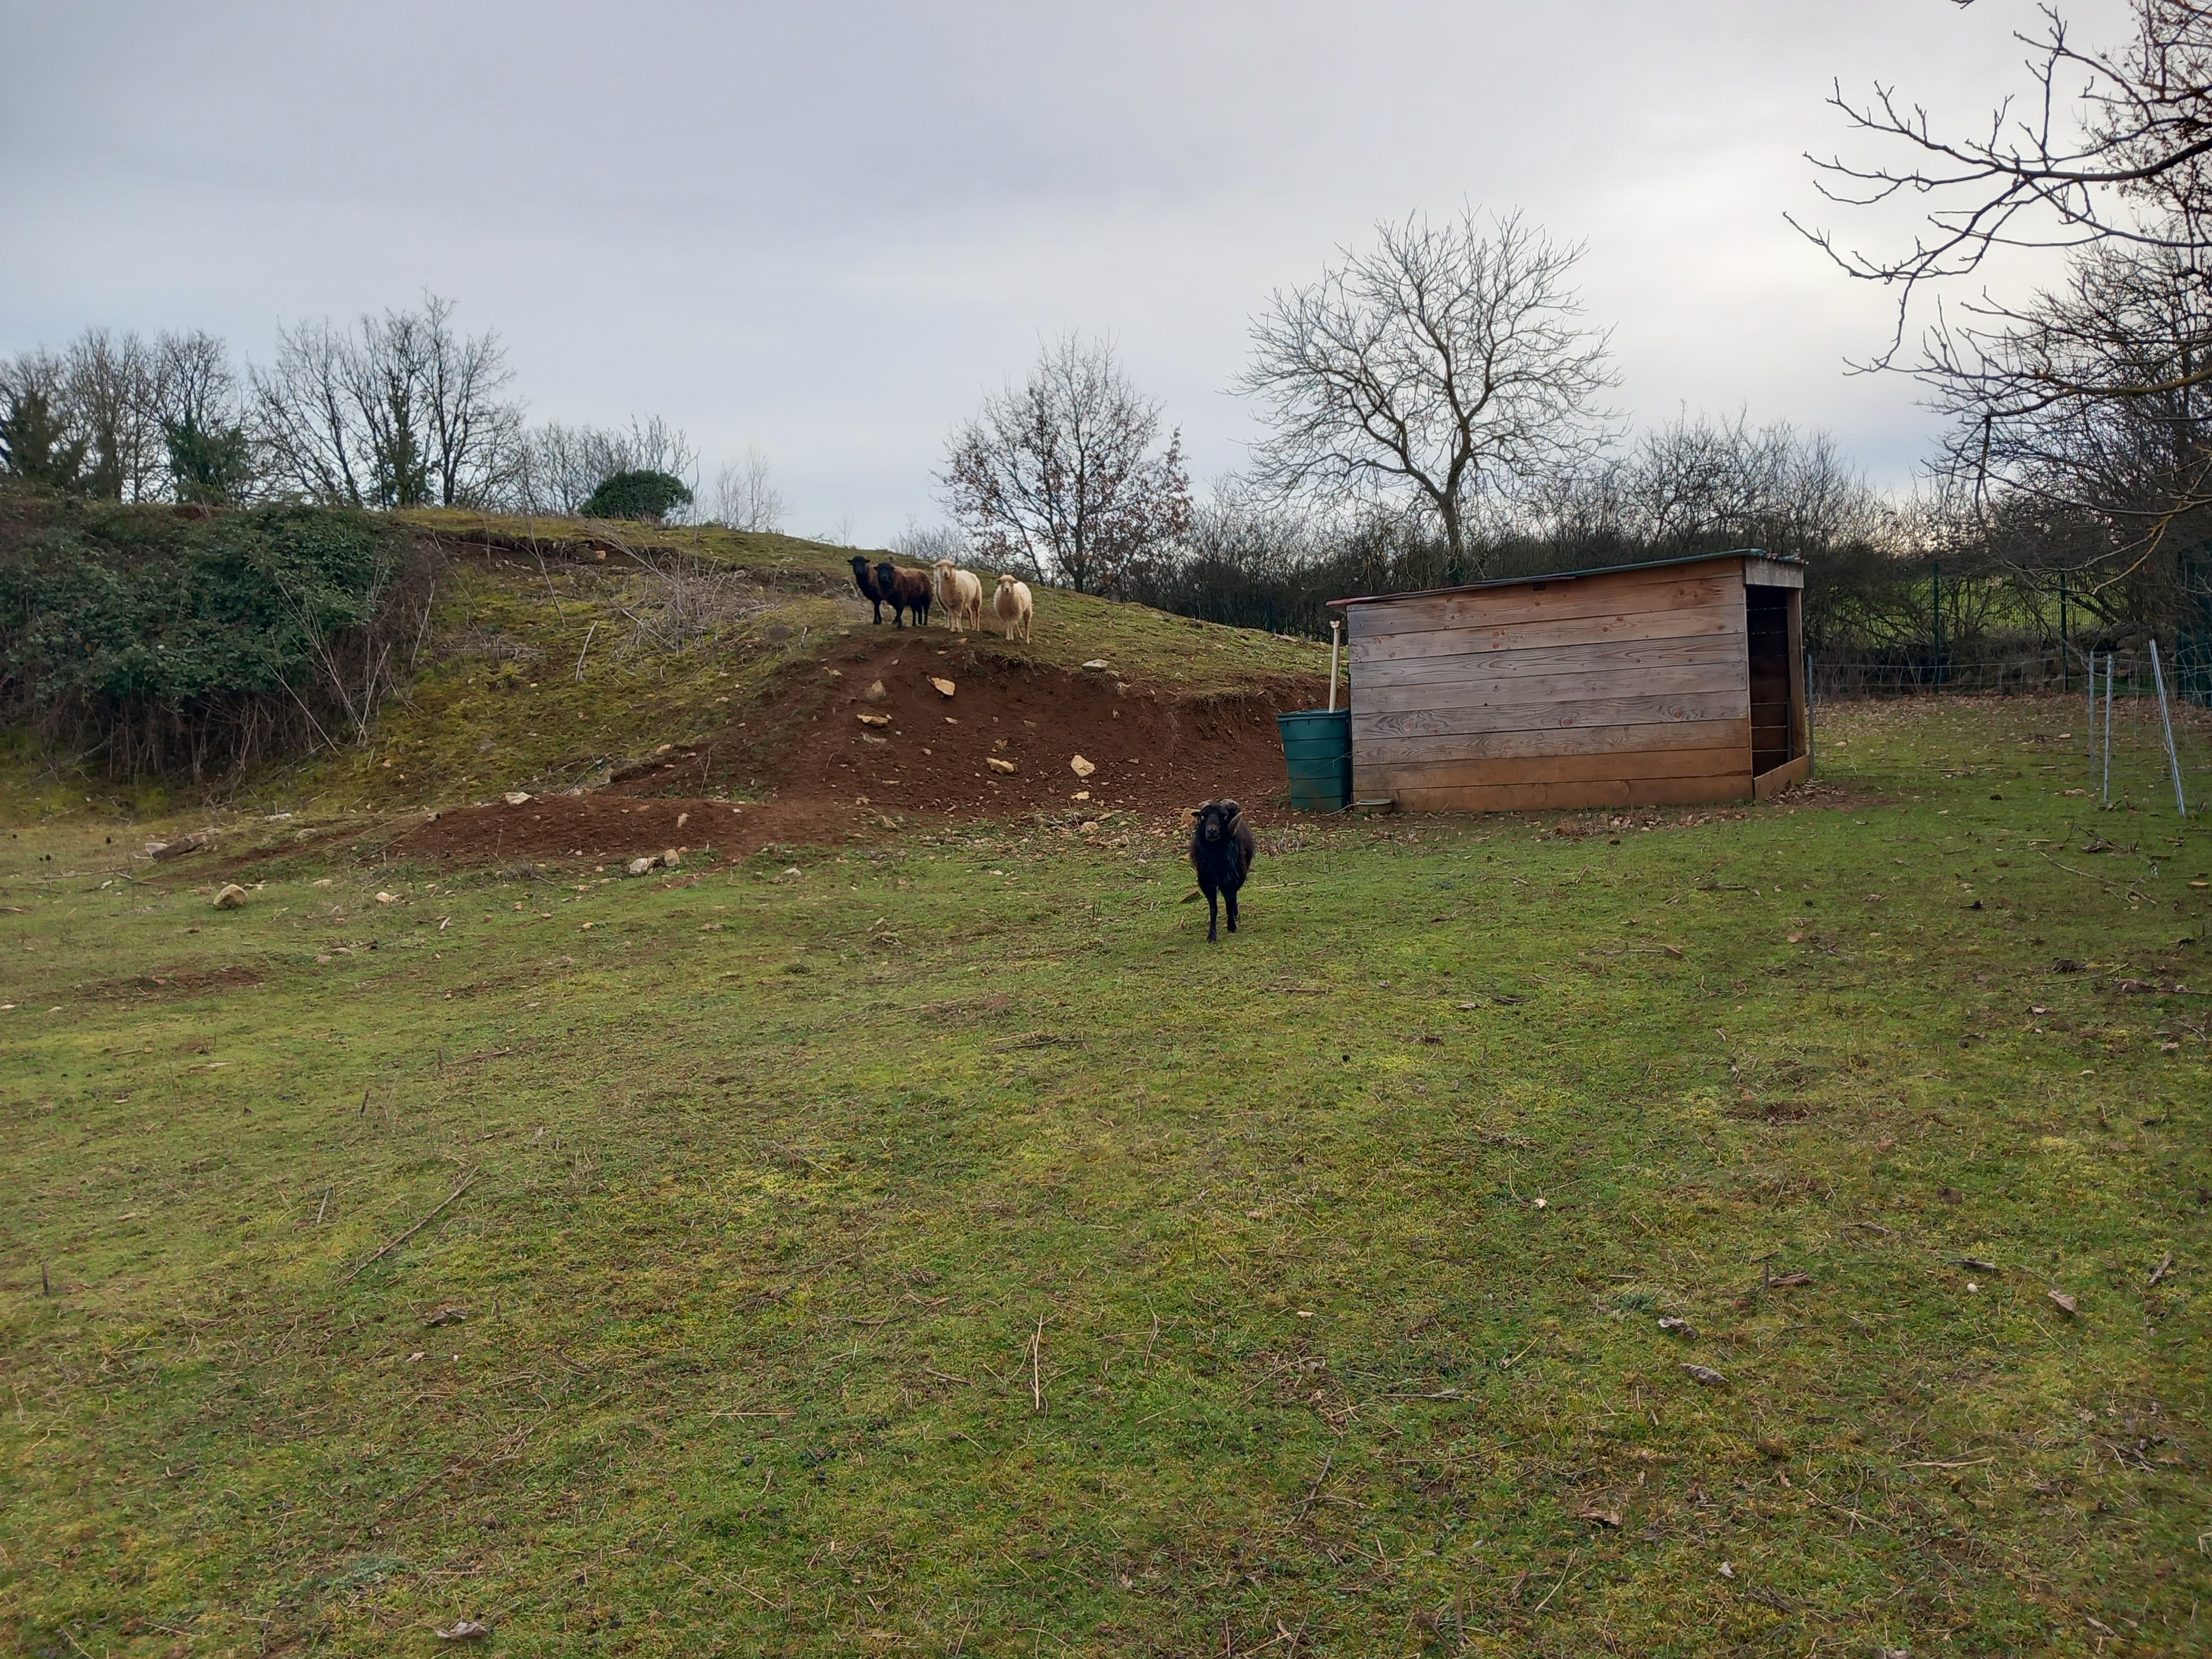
<point>1222,848</point>
<point>904,591</point>
<point>864,579</point>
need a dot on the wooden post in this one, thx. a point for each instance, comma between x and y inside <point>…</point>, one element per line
<point>1801,717</point>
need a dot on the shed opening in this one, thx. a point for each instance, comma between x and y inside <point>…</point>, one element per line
<point>1773,725</point>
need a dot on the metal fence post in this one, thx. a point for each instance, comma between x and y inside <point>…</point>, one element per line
<point>2062,630</point>
<point>1936,592</point>
<point>2109,659</point>
<point>2173,760</point>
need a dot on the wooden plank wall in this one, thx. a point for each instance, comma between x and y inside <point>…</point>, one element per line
<point>1618,690</point>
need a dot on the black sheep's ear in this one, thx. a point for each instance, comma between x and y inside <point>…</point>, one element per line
<point>1229,812</point>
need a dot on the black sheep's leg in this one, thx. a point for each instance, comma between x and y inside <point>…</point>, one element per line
<point>1213,915</point>
<point>1230,895</point>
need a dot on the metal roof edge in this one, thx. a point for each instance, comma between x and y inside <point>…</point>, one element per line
<point>1577,576</point>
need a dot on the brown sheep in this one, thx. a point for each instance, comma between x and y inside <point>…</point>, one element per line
<point>904,591</point>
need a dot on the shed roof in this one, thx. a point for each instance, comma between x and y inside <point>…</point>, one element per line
<point>1577,575</point>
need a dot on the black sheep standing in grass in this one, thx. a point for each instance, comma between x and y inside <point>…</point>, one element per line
<point>864,579</point>
<point>1222,848</point>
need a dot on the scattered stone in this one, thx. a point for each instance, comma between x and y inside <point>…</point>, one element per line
<point>177,848</point>
<point>1080,767</point>
<point>2066,1303</point>
<point>1705,1375</point>
<point>672,857</point>
<point>873,719</point>
<point>1081,794</point>
<point>1096,665</point>
<point>232,897</point>
<point>870,737</point>
<point>875,693</point>
<point>516,797</point>
<point>682,818</point>
<point>640,866</point>
<point>468,1630</point>
<point>1675,1327</point>
<point>998,765</point>
<point>944,687</point>
<point>387,898</point>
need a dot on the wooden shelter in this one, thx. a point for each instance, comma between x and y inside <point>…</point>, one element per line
<point>1676,682</point>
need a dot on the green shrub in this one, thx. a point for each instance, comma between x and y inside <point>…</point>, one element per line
<point>166,640</point>
<point>640,495</point>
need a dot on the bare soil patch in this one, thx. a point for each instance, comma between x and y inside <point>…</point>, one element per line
<point>173,981</point>
<point>827,774</point>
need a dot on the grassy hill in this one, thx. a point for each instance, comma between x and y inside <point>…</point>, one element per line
<point>551,652</point>
<point>555,652</point>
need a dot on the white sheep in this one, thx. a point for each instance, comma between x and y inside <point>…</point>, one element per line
<point>960,596</point>
<point>1012,602</point>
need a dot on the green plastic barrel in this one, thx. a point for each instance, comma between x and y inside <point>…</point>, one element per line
<point>1317,748</point>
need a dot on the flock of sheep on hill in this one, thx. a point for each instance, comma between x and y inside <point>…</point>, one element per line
<point>1221,844</point>
<point>947,587</point>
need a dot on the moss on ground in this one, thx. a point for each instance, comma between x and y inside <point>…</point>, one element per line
<point>941,1249</point>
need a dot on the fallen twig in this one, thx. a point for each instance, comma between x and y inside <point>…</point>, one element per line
<point>1561,1585</point>
<point>1037,1364</point>
<point>1314,1491</point>
<point>2162,1269</point>
<point>465,1183</point>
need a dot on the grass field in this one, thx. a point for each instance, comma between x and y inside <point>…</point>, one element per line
<point>934,1247</point>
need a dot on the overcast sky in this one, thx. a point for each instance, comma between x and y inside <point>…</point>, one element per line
<point>826,229</point>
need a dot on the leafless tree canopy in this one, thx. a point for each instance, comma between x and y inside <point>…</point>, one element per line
<point>1059,478</point>
<point>2107,146</point>
<point>2086,400</point>
<point>401,411</point>
<point>1447,363</point>
<point>745,495</point>
<point>922,544</point>
<point>562,465</point>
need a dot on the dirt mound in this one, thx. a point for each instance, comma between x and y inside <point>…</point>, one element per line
<point>174,982</point>
<point>919,753</point>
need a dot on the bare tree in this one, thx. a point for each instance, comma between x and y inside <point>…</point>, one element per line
<point>1059,477</point>
<point>560,466</point>
<point>306,425</point>
<point>2109,147</point>
<point>400,411</point>
<point>474,437</point>
<point>745,498</point>
<point>923,545</point>
<point>1449,362</point>
<point>110,391</point>
<point>2081,408</point>
<point>197,383</point>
